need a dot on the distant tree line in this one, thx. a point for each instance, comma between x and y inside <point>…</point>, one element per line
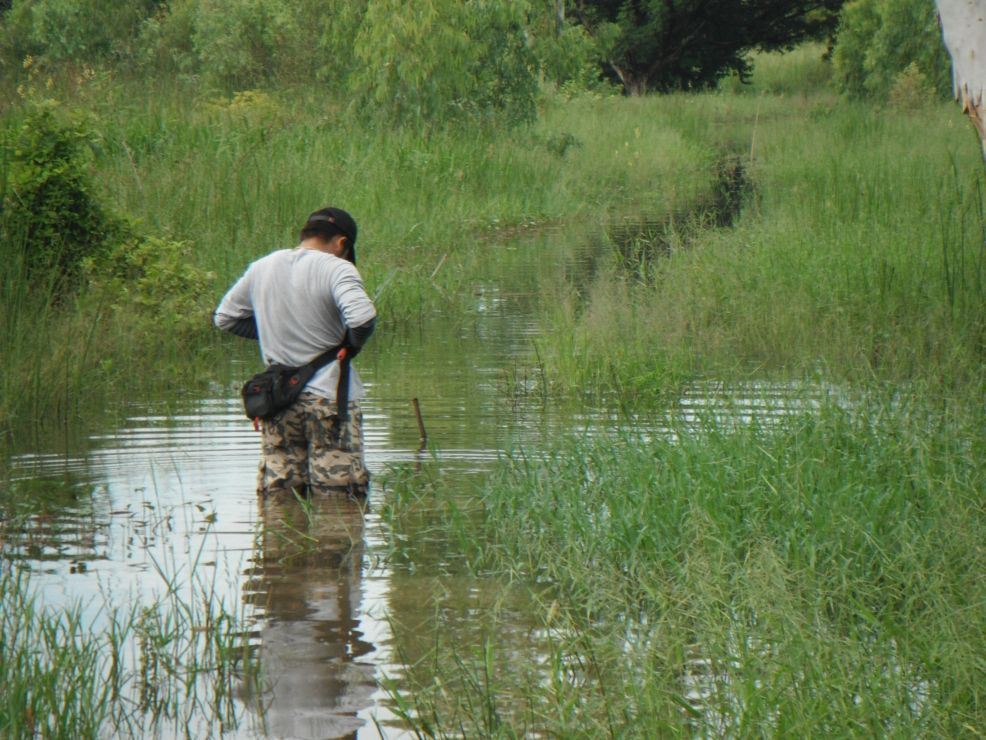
<point>444,59</point>
<point>658,45</point>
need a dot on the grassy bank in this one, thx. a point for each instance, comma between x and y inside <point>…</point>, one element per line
<point>818,575</point>
<point>855,256</point>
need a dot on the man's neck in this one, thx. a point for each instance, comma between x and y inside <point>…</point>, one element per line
<point>313,242</point>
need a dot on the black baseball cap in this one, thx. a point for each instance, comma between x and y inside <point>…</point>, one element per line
<point>342,221</point>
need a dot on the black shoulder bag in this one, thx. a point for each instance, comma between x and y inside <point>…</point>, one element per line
<point>277,387</point>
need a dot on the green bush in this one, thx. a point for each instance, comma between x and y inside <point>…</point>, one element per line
<point>50,213</point>
<point>166,40</point>
<point>879,39</point>
<point>911,89</point>
<point>448,60</point>
<point>243,42</point>
<point>566,54</point>
<point>240,44</point>
<point>72,30</point>
<point>153,283</point>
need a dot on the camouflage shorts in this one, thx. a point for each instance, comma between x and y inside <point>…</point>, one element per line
<point>305,448</point>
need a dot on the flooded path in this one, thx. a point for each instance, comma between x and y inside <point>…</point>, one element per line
<point>169,494</point>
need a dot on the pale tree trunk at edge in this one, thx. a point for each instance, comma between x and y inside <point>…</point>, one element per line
<point>963,25</point>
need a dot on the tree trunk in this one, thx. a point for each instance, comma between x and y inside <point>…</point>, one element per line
<point>633,85</point>
<point>964,31</point>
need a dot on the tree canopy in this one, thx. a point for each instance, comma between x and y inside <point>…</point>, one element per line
<point>662,45</point>
<point>883,43</point>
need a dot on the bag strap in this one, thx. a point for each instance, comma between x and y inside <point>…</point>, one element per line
<point>342,389</point>
<point>326,357</point>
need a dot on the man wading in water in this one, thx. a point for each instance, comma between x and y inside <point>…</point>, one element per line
<point>299,303</point>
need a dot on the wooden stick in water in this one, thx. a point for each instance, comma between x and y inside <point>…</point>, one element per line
<point>422,434</point>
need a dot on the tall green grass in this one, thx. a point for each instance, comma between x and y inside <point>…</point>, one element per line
<point>174,664</point>
<point>44,347</point>
<point>819,575</point>
<point>858,255</point>
<point>234,178</point>
<point>253,166</point>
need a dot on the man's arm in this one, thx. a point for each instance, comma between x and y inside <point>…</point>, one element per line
<point>357,310</point>
<point>235,311</point>
<point>246,328</point>
<point>356,336</point>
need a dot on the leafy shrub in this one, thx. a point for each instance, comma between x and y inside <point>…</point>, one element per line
<point>49,209</point>
<point>72,30</point>
<point>566,55</point>
<point>911,89</point>
<point>240,44</point>
<point>166,40</point>
<point>559,143</point>
<point>154,284</point>
<point>252,107</point>
<point>445,60</point>
<point>879,39</point>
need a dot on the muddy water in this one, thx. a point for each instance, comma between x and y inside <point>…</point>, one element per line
<point>169,495</point>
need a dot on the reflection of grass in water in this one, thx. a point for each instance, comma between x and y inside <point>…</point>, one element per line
<point>87,670</point>
<point>820,576</point>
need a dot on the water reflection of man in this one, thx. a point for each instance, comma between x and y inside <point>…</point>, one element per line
<point>306,582</point>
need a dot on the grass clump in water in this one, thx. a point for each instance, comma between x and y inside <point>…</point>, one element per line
<point>85,670</point>
<point>818,574</point>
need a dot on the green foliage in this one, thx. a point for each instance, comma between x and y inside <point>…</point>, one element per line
<point>912,89</point>
<point>49,209</point>
<point>334,45</point>
<point>154,283</point>
<point>802,71</point>
<point>243,42</point>
<point>879,39</point>
<point>233,43</point>
<point>566,54</point>
<point>238,44</point>
<point>166,39</point>
<point>445,60</point>
<point>72,30</point>
<point>657,45</point>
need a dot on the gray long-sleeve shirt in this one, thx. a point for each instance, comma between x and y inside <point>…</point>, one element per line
<point>303,301</point>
